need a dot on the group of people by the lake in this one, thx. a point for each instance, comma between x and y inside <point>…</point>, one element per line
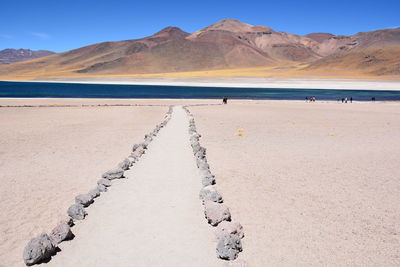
<point>345,100</point>
<point>312,99</point>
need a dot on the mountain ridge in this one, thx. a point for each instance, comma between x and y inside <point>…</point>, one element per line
<point>11,55</point>
<point>226,44</point>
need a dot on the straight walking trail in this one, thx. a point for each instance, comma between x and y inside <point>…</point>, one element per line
<point>152,218</point>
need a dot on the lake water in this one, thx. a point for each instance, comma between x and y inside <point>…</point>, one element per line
<point>73,90</point>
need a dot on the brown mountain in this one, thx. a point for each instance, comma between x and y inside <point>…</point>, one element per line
<point>319,37</point>
<point>9,56</point>
<point>226,44</point>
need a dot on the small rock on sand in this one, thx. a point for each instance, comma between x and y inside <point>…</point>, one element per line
<point>60,233</point>
<point>229,247</point>
<point>113,174</point>
<point>77,212</point>
<point>95,192</point>
<point>216,213</point>
<point>104,182</point>
<point>226,228</point>
<point>210,193</point>
<point>102,188</point>
<point>135,146</point>
<point>206,177</point>
<point>125,164</point>
<point>84,199</point>
<point>38,249</point>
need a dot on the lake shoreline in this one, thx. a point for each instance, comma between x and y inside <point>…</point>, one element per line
<point>238,82</point>
<point>134,91</point>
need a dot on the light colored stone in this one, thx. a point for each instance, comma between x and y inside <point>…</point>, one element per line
<point>206,177</point>
<point>102,188</point>
<point>229,247</point>
<point>113,174</point>
<point>38,249</point>
<point>95,192</point>
<point>226,228</point>
<point>60,233</point>
<point>77,212</point>
<point>202,164</point>
<point>104,182</point>
<point>216,212</point>
<point>125,164</point>
<point>84,199</point>
<point>210,193</point>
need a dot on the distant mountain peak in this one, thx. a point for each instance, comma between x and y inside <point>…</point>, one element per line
<point>170,29</point>
<point>232,25</point>
<point>10,55</point>
<point>171,32</point>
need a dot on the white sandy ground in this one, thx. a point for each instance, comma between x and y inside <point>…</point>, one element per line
<point>244,82</point>
<point>49,155</point>
<point>313,184</point>
<point>152,218</point>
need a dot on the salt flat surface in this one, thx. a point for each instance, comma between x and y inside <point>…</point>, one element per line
<point>313,184</point>
<point>50,155</point>
<point>152,218</point>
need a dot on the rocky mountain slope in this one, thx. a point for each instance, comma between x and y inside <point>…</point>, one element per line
<point>9,56</point>
<point>226,44</point>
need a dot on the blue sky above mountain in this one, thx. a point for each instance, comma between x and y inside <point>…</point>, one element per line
<point>65,25</point>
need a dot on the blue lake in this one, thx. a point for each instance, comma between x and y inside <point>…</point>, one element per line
<point>74,90</point>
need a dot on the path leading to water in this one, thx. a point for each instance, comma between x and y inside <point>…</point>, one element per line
<point>152,218</point>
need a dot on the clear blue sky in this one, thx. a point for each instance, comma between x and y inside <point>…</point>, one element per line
<point>61,25</point>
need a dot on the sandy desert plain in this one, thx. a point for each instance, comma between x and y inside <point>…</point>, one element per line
<point>313,184</point>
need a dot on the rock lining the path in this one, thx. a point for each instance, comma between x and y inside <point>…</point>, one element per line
<point>116,173</point>
<point>229,247</point>
<point>210,193</point>
<point>102,188</point>
<point>95,192</point>
<point>60,233</point>
<point>38,249</point>
<point>104,182</point>
<point>44,246</point>
<point>125,164</point>
<point>228,234</point>
<point>77,212</point>
<point>84,199</point>
<point>227,228</point>
<point>216,212</point>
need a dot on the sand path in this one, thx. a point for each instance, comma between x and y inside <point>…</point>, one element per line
<point>153,218</point>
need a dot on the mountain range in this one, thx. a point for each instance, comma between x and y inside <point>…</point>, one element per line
<point>9,56</point>
<point>227,44</point>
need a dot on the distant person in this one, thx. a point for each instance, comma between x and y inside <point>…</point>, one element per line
<point>306,98</point>
<point>342,100</point>
<point>373,99</point>
<point>351,99</point>
<point>225,100</point>
<point>345,100</point>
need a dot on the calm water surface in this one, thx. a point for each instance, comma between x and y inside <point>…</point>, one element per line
<point>73,90</point>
